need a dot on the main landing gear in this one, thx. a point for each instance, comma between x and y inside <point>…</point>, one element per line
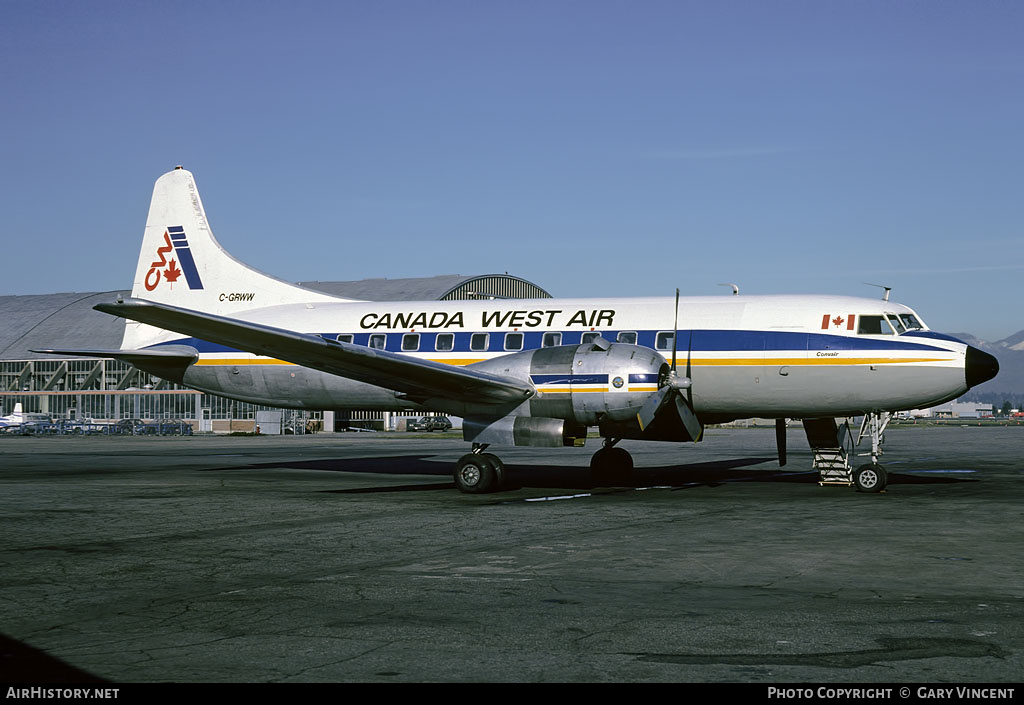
<point>482,473</point>
<point>479,472</point>
<point>611,465</point>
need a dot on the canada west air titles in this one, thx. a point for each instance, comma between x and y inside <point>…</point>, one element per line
<point>547,318</point>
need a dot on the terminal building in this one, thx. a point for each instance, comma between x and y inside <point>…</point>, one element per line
<point>77,388</point>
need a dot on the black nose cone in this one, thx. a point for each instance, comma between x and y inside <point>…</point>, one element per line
<point>980,367</point>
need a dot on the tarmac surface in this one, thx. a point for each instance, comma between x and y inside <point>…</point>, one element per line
<point>352,557</point>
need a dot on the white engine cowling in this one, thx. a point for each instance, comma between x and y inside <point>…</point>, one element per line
<point>577,386</point>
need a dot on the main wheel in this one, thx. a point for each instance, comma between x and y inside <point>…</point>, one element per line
<point>870,478</point>
<point>479,474</point>
<point>611,466</point>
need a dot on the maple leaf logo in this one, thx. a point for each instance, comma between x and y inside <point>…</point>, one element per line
<point>172,272</point>
<point>838,320</point>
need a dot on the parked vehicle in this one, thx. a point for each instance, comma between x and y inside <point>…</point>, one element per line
<point>132,427</point>
<point>429,423</point>
<point>174,427</point>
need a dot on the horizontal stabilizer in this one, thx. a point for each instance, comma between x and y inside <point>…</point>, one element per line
<point>166,352</point>
<point>413,377</point>
<point>166,362</point>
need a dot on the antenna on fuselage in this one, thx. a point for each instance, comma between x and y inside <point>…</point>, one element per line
<point>735,288</point>
<point>885,296</point>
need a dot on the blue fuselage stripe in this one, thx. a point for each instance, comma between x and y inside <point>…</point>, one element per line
<point>694,341</point>
<point>569,379</point>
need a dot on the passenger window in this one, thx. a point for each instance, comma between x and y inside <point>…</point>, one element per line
<point>478,342</point>
<point>378,341</point>
<point>550,340</point>
<point>590,337</point>
<point>873,325</point>
<point>410,342</point>
<point>626,336</point>
<point>513,341</point>
<point>345,338</point>
<point>663,341</point>
<point>445,342</point>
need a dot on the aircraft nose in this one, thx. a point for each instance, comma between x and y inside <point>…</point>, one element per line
<point>979,367</point>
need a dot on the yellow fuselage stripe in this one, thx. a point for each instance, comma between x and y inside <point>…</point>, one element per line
<point>696,362</point>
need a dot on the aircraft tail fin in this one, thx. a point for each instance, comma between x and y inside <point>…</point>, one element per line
<point>182,264</point>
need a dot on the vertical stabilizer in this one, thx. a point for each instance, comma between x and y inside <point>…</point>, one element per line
<point>182,264</point>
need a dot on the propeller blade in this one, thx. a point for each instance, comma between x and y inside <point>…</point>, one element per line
<point>675,335</point>
<point>651,407</point>
<point>673,387</point>
<point>690,420</point>
<point>780,440</point>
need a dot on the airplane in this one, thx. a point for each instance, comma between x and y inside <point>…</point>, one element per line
<point>15,418</point>
<point>20,421</point>
<point>535,372</point>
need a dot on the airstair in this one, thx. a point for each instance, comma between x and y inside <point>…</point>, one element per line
<point>833,450</point>
<point>832,447</point>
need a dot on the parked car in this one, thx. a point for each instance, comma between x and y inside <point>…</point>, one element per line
<point>174,427</point>
<point>78,427</point>
<point>442,423</point>
<point>429,423</point>
<point>129,426</point>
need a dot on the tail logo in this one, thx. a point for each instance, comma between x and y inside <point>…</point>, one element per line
<point>162,269</point>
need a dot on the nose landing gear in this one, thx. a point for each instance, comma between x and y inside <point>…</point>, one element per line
<point>872,477</point>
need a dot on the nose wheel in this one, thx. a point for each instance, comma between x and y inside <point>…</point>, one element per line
<point>870,478</point>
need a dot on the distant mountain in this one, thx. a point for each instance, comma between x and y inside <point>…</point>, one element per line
<point>1015,342</point>
<point>1008,385</point>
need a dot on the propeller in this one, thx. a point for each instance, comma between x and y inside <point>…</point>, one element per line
<point>671,392</point>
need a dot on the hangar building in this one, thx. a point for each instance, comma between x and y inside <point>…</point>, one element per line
<point>109,390</point>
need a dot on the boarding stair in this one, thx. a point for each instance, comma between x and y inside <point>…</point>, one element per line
<point>832,447</point>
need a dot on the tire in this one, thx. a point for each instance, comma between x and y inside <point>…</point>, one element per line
<point>478,474</point>
<point>870,478</point>
<point>611,467</point>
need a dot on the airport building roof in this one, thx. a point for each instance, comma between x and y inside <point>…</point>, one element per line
<point>67,320</point>
<point>57,321</point>
<point>446,287</point>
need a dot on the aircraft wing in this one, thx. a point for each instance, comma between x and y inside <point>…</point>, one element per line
<point>412,377</point>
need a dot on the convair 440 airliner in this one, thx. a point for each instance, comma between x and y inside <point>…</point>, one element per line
<point>524,372</point>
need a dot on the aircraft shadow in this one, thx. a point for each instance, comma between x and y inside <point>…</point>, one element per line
<point>26,664</point>
<point>390,465</point>
<point>686,475</point>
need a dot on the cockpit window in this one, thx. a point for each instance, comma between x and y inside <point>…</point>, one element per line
<point>910,321</point>
<point>873,325</point>
<point>896,323</point>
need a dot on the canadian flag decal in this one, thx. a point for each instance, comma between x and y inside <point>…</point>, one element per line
<point>831,321</point>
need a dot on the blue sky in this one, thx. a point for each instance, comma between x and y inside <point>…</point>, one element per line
<point>595,148</point>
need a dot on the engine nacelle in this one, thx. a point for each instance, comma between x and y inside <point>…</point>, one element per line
<point>584,384</point>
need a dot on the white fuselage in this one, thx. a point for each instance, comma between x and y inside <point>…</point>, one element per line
<point>796,356</point>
